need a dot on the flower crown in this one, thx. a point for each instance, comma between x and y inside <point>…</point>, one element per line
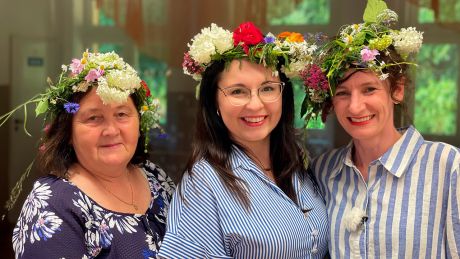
<point>115,81</point>
<point>217,44</point>
<point>361,46</point>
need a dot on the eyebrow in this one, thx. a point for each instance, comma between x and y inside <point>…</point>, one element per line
<point>98,109</point>
<point>243,85</point>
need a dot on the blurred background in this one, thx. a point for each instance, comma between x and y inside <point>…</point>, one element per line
<point>37,36</point>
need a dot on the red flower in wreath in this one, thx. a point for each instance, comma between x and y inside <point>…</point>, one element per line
<point>247,34</point>
<point>147,89</point>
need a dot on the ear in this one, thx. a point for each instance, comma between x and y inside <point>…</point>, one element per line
<point>398,93</point>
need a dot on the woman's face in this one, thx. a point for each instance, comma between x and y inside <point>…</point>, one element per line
<point>104,136</point>
<point>364,107</point>
<point>253,122</point>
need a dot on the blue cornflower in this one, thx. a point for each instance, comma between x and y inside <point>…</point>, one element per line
<point>269,39</point>
<point>71,107</point>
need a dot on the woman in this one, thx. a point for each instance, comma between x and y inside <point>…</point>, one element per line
<point>389,193</point>
<point>102,198</point>
<point>245,192</point>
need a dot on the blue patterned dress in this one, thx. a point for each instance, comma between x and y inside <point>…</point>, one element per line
<point>58,220</point>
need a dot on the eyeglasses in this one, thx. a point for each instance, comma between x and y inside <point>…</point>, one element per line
<point>240,95</point>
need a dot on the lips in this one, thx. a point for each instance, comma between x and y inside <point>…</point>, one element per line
<point>254,120</point>
<point>111,145</point>
<point>360,120</point>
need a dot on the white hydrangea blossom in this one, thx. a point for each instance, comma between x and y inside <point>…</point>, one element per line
<point>222,39</point>
<point>407,41</point>
<point>123,79</point>
<point>210,41</point>
<point>106,60</point>
<point>110,94</point>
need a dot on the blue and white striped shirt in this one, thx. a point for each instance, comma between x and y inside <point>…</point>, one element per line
<point>411,199</point>
<point>209,223</point>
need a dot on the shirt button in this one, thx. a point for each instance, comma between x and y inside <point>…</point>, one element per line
<point>314,250</point>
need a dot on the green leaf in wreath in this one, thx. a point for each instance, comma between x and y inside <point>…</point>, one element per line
<point>42,106</point>
<point>373,8</point>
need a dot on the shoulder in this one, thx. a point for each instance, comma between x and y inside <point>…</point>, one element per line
<point>156,174</point>
<point>53,188</point>
<point>329,159</point>
<point>444,154</point>
<point>202,179</point>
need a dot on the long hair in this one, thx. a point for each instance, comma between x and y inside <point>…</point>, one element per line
<point>213,142</point>
<point>57,154</point>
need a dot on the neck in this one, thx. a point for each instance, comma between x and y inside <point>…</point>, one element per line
<point>367,150</point>
<point>260,154</point>
<point>118,175</point>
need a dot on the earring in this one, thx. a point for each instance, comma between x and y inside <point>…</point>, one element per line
<point>396,102</point>
<point>218,113</point>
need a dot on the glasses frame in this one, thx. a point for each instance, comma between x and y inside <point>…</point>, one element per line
<point>281,84</point>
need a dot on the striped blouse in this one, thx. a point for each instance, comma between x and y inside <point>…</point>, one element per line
<point>411,201</point>
<point>207,222</point>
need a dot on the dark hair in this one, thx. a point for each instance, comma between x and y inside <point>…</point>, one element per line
<point>213,142</point>
<point>57,154</point>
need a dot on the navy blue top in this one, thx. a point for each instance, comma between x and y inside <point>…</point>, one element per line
<point>58,220</point>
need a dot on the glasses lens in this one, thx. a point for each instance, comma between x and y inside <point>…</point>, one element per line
<point>270,92</point>
<point>237,95</point>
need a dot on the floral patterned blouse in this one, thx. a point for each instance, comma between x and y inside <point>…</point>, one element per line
<point>58,220</point>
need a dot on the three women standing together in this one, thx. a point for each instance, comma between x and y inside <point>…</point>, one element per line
<point>247,191</point>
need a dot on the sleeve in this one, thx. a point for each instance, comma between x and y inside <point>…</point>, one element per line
<point>193,225</point>
<point>47,226</point>
<point>453,216</point>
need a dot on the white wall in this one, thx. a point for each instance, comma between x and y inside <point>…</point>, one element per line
<point>26,18</point>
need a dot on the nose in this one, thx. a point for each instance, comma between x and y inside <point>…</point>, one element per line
<point>254,102</point>
<point>356,104</point>
<point>110,128</point>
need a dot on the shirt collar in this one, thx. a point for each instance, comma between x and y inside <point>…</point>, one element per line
<point>396,159</point>
<point>400,155</point>
<point>240,159</point>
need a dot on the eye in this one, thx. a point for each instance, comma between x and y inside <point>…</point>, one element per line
<point>237,91</point>
<point>267,88</point>
<point>94,118</point>
<point>122,115</point>
<point>369,89</point>
<point>341,93</point>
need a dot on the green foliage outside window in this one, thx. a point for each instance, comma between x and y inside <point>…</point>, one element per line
<point>284,12</point>
<point>449,11</point>
<point>436,89</point>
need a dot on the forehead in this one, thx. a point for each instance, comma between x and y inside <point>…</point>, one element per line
<point>243,71</point>
<point>359,78</point>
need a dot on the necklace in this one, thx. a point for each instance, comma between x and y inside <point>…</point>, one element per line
<point>118,198</point>
<point>267,169</point>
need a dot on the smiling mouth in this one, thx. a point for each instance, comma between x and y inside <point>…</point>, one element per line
<point>361,119</point>
<point>254,119</point>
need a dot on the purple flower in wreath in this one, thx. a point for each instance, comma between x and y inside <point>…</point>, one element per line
<point>71,107</point>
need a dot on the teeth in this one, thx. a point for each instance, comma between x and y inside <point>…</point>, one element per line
<point>254,120</point>
<point>361,119</point>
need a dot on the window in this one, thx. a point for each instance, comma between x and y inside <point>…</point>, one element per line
<point>436,90</point>
<point>304,12</point>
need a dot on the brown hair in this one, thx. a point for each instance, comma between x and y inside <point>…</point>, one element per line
<point>57,154</point>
